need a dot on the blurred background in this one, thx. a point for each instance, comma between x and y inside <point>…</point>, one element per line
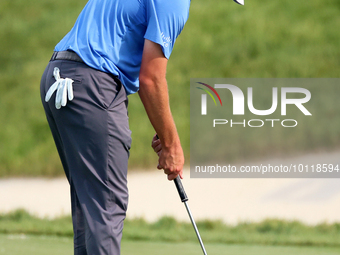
<point>263,39</point>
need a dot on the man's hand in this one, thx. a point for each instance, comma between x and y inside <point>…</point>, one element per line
<point>171,160</point>
<point>156,144</point>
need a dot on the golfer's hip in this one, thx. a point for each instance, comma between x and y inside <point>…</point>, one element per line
<point>67,77</point>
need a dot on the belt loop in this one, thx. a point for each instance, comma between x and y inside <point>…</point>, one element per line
<point>54,55</point>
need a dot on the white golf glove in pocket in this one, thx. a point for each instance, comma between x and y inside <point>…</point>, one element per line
<point>63,87</point>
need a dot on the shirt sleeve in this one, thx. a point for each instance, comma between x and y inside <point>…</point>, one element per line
<point>165,21</point>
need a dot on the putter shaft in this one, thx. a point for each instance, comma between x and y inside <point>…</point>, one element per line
<point>184,199</point>
<point>195,227</point>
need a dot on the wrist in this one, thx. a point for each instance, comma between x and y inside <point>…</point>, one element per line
<point>169,141</point>
<point>172,146</point>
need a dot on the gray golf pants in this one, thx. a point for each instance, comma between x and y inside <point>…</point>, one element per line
<point>93,139</point>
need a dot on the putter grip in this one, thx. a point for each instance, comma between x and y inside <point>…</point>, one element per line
<point>180,189</point>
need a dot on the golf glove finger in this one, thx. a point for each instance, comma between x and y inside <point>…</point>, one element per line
<point>63,87</point>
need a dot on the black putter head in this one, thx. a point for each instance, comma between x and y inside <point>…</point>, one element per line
<point>241,2</point>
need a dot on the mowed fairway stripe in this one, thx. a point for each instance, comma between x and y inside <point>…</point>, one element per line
<point>161,248</point>
<point>42,245</point>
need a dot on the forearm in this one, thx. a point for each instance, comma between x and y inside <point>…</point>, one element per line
<point>155,98</point>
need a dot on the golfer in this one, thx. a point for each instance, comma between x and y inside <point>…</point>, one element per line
<point>115,48</point>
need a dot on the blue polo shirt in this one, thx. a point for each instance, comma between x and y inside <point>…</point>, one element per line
<point>109,34</point>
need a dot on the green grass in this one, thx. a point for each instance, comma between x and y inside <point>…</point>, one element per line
<point>221,39</point>
<point>21,234</point>
<point>41,245</point>
<point>38,245</point>
<point>267,232</point>
<point>21,222</point>
<point>193,248</point>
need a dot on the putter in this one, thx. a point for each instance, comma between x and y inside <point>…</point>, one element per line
<point>241,2</point>
<point>185,199</point>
